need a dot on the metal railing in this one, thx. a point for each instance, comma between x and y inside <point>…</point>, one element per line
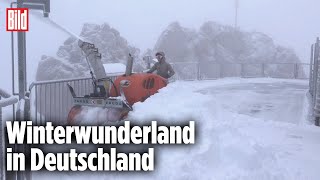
<point>51,100</point>
<point>6,101</point>
<point>212,70</point>
<point>314,81</point>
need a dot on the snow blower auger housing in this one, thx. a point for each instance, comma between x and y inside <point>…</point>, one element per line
<point>111,100</point>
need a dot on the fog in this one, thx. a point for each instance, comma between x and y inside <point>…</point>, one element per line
<point>292,23</point>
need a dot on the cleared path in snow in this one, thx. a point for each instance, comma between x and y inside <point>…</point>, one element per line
<point>273,101</point>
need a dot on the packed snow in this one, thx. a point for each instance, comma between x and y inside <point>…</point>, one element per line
<point>246,129</point>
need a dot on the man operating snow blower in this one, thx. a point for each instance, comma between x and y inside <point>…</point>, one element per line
<point>111,100</point>
<point>163,68</point>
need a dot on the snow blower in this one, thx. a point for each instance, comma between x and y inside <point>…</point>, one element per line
<point>115,98</point>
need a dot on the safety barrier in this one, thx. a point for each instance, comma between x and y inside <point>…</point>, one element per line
<point>314,81</point>
<point>51,100</point>
<point>212,70</point>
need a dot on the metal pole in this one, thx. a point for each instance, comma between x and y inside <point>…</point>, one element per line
<point>295,71</point>
<point>21,64</point>
<point>241,70</point>
<point>36,105</point>
<point>198,71</point>
<point>21,59</point>
<point>21,82</point>
<point>12,68</point>
<point>315,71</point>
<point>129,65</point>
<point>236,14</point>
<point>25,62</point>
<point>317,84</point>
<point>311,71</point>
<point>2,176</point>
<point>221,70</point>
<point>22,72</point>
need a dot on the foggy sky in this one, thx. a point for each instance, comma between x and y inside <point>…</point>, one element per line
<point>292,23</point>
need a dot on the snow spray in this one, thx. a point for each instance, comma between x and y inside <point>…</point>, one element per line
<point>54,24</point>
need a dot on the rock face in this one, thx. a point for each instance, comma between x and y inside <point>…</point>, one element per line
<point>215,43</point>
<point>211,45</point>
<point>70,62</point>
<point>178,43</point>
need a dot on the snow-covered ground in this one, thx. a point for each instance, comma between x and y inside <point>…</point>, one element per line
<point>246,129</point>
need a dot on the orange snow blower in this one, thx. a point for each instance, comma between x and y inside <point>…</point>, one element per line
<point>111,100</point>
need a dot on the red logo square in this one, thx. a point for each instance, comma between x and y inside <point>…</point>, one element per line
<point>17,19</point>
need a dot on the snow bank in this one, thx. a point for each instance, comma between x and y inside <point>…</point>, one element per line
<point>233,143</point>
<point>240,133</point>
<point>114,68</point>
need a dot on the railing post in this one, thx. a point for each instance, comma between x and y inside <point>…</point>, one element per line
<point>315,71</point>
<point>27,112</point>
<point>316,96</point>
<point>311,71</point>
<point>241,70</point>
<point>263,70</point>
<point>198,71</point>
<point>295,71</point>
<point>221,70</point>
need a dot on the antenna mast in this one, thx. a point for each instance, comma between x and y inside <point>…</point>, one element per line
<point>236,14</point>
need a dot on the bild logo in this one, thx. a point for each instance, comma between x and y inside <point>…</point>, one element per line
<point>17,19</point>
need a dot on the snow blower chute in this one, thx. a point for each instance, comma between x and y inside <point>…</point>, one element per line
<point>112,99</point>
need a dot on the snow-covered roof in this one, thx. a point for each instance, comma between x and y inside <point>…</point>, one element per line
<point>114,68</point>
